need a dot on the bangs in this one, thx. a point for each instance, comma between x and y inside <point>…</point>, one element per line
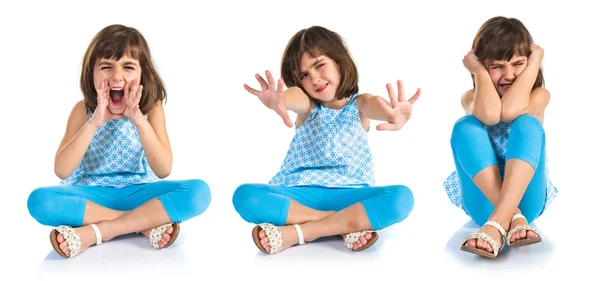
<point>503,45</point>
<point>117,47</point>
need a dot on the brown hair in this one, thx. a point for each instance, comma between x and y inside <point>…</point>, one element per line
<point>114,41</point>
<point>500,38</point>
<point>316,41</point>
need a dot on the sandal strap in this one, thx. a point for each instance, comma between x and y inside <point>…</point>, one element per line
<point>485,237</point>
<point>519,228</point>
<point>519,216</point>
<point>156,234</point>
<point>274,236</point>
<point>72,238</point>
<point>300,234</point>
<point>353,237</point>
<point>496,226</point>
<point>98,234</point>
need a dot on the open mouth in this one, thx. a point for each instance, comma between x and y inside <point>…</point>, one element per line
<point>505,86</point>
<point>320,89</point>
<point>116,96</point>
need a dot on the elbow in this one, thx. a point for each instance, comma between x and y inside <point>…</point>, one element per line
<point>163,174</point>
<point>489,117</point>
<point>164,171</point>
<point>61,173</point>
<point>510,114</point>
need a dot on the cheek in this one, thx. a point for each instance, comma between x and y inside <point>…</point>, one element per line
<point>495,75</point>
<point>98,78</point>
<point>334,75</point>
<point>518,71</point>
<point>134,76</point>
<point>305,83</point>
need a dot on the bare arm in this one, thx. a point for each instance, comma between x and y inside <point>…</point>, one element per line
<point>518,97</point>
<point>155,140</point>
<point>395,112</point>
<point>484,102</point>
<point>373,107</point>
<point>538,101</point>
<point>78,136</point>
<point>486,105</point>
<point>296,100</point>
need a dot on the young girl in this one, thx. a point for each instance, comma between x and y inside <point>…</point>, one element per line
<point>114,151</point>
<point>325,185</point>
<point>501,179</point>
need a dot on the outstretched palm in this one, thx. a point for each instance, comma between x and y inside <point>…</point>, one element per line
<point>271,96</point>
<point>399,110</point>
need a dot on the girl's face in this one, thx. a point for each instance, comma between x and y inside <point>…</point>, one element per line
<point>117,73</point>
<point>504,73</point>
<point>320,77</point>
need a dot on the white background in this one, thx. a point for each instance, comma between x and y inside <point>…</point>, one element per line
<point>205,52</point>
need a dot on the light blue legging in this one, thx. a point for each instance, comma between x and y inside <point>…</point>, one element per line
<point>259,203</point>
<point>65,204</point>
<point>473,151</point>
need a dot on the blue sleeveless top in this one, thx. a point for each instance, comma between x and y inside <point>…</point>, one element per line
<point>499,136</point>
<point>114,158</point>
<point>329,149</point>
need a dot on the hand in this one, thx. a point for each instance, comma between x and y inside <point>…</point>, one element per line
<point>399,110</point>
<point>271,96</point>
<point>536,55</point>
<point>101,113</point>
<point>471,62</point>
<point>132,96</point>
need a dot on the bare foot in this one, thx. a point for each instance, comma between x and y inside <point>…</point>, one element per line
<point>482,244</point>
<point>362,241</point>
<point>520,234</point>
<point>288,234</point>
<point>166,237</point>
<point>86,236</point>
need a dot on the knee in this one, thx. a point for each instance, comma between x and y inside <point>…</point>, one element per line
<point>526,123</point>
<point>199,194</point>
<point>402,201</point>
<point>245,199</point>
<point>40,206</point>
<point>466,127</point>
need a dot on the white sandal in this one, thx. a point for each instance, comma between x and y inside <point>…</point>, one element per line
<point>526,240</point>
<point>483,236</point>
<point>72,238</point>
<point>157,232</point>
<point>274,236</point>
<point>353,237</point>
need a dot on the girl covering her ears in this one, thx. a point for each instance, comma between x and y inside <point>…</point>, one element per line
<point>501,178</point>
<point>325,186</point>
<point>114,153</point>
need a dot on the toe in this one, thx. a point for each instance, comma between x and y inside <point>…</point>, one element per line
<point>363,241</point>
<point>60,238</point>
<point>262,234</point>
<point>472,243</point>
<point>166,237</point>
<point>531,234</point>
<point>169,230</point>
<point>480,243</point>
<point>264,243</point>
<point>64,248</point>
<point>163,242</point>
